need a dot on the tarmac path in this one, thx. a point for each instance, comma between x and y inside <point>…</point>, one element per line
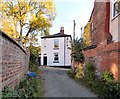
<point>58,84</point>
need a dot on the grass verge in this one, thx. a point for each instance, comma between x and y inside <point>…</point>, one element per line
<point>105,90</point>
<point>29,87</point>
<point>93,86</point>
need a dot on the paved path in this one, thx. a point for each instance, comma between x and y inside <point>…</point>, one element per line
<point>58,84</point>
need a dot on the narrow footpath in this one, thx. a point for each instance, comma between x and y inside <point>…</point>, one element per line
<point>58,84</point>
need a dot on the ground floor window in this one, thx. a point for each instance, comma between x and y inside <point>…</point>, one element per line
<point>56,58</point>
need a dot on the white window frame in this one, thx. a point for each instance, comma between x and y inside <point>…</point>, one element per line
<point>114,12</point>
<point>54,60</point>
<point>56,42</point>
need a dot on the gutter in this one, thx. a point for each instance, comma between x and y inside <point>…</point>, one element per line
<point>64,51</point>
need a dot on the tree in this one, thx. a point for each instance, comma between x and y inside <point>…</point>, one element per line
<point>7,24</point>
<point>30,16</point>
<point>86,35</point>
<point>33,40</point>
<point>8,27</point>
<point>34,55</point>
<point>78,46</point>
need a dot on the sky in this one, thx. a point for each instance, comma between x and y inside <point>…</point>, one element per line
<point>69,10</point>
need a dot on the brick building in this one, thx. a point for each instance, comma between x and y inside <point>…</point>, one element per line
<point>104,33</point>
<point>99,23</point>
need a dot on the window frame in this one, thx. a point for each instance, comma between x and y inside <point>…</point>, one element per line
<point>114,12</point>
<point>56,44</point>
<point>56,55</point>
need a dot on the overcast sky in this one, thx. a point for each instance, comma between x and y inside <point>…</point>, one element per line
<point>69,10</point>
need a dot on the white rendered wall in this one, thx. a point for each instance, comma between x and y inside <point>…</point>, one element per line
<point>64,59</point>
<point>114,24</point>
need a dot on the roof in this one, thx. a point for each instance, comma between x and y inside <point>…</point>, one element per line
<point>56,35</point>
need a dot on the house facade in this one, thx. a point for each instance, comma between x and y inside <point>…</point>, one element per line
<point>99,23</point>
<point>105,34</point>
<point>115,20</point>
<point>56,49</point>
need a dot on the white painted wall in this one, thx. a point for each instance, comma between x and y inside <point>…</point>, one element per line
<point>47,47</point>
<point>114,24</point>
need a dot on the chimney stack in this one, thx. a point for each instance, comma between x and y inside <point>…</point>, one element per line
<point>62,30</point>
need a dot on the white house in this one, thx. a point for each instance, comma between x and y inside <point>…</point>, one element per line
<point>56,49</point>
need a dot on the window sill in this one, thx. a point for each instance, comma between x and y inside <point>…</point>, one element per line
<point>56,48</point>
<point>55,61</point>
<point>115,17</point>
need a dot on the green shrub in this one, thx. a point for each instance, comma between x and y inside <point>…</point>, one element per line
<point>34,54</point>
<point>33,67</point>
<point>29,87</point>
<point>71,73</point>
<point>106,77</point>
<point>7,92</point>
<point>78,57</point>
<point>111,90</point>
<point>89,71</point>
<point>105,87</point>
<point>77,47</point>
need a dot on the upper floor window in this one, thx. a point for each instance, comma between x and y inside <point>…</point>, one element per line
<point>56,43</point>
<point>116,8</point>
<point>91,27</point>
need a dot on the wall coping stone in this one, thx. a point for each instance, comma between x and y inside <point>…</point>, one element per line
<point>12,40</point>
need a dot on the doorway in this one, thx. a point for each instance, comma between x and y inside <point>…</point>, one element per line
<point>45,60</point>
<point>39,60</point>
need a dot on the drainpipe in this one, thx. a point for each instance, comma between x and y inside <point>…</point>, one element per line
<point>64,51</point>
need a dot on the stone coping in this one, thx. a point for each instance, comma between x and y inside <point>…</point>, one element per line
<point>12,40</point>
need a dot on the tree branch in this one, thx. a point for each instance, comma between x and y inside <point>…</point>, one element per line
<point>30,29</point>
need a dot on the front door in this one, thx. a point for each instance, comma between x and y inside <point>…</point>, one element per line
<point>39,60</point>
<point>45,60</point>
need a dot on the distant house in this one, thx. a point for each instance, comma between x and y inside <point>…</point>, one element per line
<point>56,49</point>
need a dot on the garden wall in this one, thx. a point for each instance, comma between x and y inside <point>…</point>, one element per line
<point>106,58</point>
<point>14,61</point>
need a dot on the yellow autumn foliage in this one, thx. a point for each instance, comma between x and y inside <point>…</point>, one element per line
<point>30,16</point>
<point>86,35</point>
<point>79,71</point>
<point>8,27</point>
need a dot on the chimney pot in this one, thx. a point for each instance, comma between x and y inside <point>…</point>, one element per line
<point>62,30</point>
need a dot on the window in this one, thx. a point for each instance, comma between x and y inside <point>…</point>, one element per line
<point>56,43</point>
<point>56,58</point>
<point>116,8</point>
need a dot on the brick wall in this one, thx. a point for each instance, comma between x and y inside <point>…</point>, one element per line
<point>99,23</point>
<point>106,58</point>
<point>14,61</point>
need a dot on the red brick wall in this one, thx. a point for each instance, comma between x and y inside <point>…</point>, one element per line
<point>14,61</point>
<point>106,58</point>
<point>100,19</point>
